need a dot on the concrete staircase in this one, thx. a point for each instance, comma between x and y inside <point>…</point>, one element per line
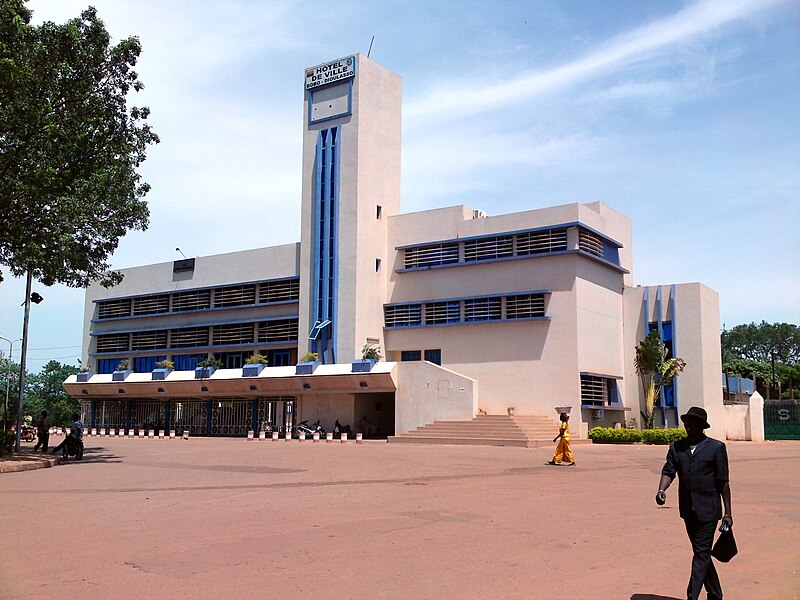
<point>485,430</point>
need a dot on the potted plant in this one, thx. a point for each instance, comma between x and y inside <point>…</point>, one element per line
<point>307,364</point>
<point>84,375</point>
<point>122,372</point>
<point>163,369</point>
<point>253,365</point>
<point>370,354</point>
<point>205,368</point>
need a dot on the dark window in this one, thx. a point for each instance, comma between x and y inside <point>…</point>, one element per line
<point>434,356</point>
<point>187,362</point>
<point>410,355</point>
<point>107,366</point>
<point>145,364</point>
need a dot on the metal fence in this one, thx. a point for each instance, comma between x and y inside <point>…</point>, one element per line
<point>782,419</point>
<point>231,416</point>
<point>188,416</point>
<point>147,415</point>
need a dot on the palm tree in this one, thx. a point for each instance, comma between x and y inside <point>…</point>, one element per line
<point>655,370</point>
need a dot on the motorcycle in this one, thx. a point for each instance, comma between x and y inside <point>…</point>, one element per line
<point>310,430</point>
<point>27,434</point>
<point>72,447</point>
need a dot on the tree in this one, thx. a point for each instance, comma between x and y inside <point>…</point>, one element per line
<point>12,381</point>
<point>656,370</point>
<point>69,147</point>
<point>46,392</point>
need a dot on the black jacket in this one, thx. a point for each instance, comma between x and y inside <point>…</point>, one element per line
<point>700,477</point>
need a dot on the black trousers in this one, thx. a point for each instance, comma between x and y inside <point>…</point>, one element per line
<point>701,534</point>
<point>44,440</point>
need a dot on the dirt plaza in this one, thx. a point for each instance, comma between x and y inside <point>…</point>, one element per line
<point>228,518</point>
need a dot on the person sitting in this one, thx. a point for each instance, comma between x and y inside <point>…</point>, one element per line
<point>75,434</point>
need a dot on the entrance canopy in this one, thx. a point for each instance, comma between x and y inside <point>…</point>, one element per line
<point>272,381</point>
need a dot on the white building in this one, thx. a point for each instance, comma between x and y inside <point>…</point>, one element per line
<point>475,314</point>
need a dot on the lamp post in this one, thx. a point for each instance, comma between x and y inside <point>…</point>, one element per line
<point>36,299</point>
<point>8,377</point>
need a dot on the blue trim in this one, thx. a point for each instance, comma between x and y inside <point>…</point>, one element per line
<point>166,418</point>
<point>209,415</point>
<point>598,259</point>
<point>195,325</point>
<point>254,418</point>
<point>231,347</point>
<point>340,115</point>
<point>660,323</point>
<point>199,289</point>
<point>672,304</point>
<point>611,241</point>
<point>458,298</point>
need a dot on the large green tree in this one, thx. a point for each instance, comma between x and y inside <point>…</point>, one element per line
<point>45,391</point>
<point>69,147</point>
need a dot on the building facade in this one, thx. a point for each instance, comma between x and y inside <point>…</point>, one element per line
<point>474,313</point>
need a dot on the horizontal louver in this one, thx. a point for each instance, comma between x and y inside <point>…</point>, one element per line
<point>594,390</point>
<point>488,248</point>
<point>482,309</point>
<point>237,333</point>
<point>590,242</point>
<point>188,337</point>
<point>430,256</point>
<point>525,306</point>
<point>279,291</point>
<point>113,342</point>
<point>150,305</point>
<point>194,300</point>
<point>148,340</point>
<point>284,330</point>
<point>403,315</point>
<point>237,295</point>
<point>113,309</point>
<point>442,312</point>
<point>541,242</point>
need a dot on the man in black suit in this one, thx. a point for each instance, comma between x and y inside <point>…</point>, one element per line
<point>701,464</point>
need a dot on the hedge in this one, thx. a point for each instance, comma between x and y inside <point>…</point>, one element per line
<point>7,441</point>
<point>609,435</point>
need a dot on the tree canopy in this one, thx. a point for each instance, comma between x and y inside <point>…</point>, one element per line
<point>69,147</point>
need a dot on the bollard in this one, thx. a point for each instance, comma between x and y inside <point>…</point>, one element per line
<point>359,438</point>
<point>287,436</point>
<point>131,432</point>
<point>141,433</point>
<point>301,436</point>
<point>161,434</point>
<point>316,436</point>
<point>186,434</point>
<point>262,435</point>
<point>111,432</point>
<point>151,434</point>
<point>172,434</point>
<point>68,429</point>
<point>274,435</point>
<point>102,431</point>
<point>250,435</point>
<point>343,437</point>
<point>329,437</point>
<point>94,431</point>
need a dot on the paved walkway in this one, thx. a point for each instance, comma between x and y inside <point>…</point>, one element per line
<point>27,460</point>
<point>221,518</point>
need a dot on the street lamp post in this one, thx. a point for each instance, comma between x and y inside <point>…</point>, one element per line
<point>8,376</point>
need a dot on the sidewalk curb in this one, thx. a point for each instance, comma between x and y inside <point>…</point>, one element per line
<point>27,462</point>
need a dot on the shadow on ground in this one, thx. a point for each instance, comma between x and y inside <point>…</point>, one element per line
<point>94,455</point>
<point>652,597</point>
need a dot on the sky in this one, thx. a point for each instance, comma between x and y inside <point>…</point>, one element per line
<point>681,115</point>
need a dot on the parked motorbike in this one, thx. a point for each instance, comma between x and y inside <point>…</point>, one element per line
<point>310,430</point>
<point>27,434</point>
<point>339,429</point>
<point>73,447</point>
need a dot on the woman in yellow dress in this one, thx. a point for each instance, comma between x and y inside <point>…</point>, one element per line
<point>563,450</point>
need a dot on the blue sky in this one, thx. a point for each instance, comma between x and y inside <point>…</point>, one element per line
<point>682,115</point>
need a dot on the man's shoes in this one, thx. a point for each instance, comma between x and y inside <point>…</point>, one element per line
<point>552,462</point>
<point>572,464</point>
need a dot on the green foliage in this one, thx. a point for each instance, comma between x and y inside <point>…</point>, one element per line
<point>69,147</point>
<point>609,435</point>
<point>256,359</point>
<point>663,436</point>
<point>45,391</point>
<point>211,361</point>
<point>656,370</point>
<point>370,351</point>
<point>309,357</point>
<point>7,441</point>
<point>123,365</point>
<point>165,364</point>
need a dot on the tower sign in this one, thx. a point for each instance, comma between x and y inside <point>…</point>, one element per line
<point>331,72</point>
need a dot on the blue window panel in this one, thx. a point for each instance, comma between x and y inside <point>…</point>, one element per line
<point>279,358</point>
<point>434,356</point>
<point>410,355</point>
<point>107,366</point>
<point>187,362</point>
<point>145,364</point>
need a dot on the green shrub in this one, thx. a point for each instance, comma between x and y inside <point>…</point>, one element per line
<point>663,436</point>
<point>309,357</point>
<point>211,362</point>
<point>256,359</point>
<point>165,364</point>
<point>609,435</point>
<point>7,441</point>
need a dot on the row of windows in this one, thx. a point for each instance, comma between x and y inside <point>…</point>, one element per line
<point>528,243</point>
<point>280,330</point>
<point>188,362</point>
<point>266,292</point>
<point>469,310</point>
<point>433,355</point>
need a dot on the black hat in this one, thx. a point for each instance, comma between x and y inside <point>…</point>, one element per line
<point>697,413</point>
